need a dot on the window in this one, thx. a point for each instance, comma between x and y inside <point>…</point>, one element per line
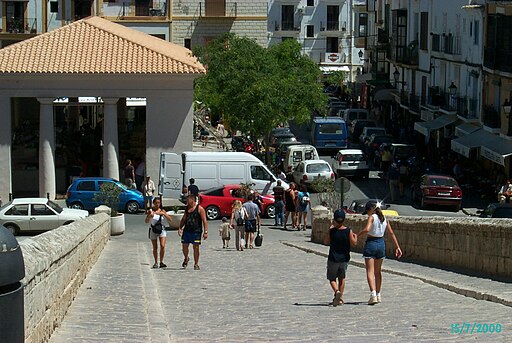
<point>216,192</point>
<point>297,156</point>
<point>54,6</point>
<point>260,173</point>
<point>424,31</point>
<point>363,25</point>
<point>311,3</point>
<point>40,210</point>
<point>86,186</point>
<point>287,14</point>
<point>399,31</point>
<point>333,18</point>
<point>331,44</point>
<point>330,129</point>
<point>17,210</point>
<point>310,31</point>
<point>476,32</point>
<point>187,43</point>
<point>318,168</point>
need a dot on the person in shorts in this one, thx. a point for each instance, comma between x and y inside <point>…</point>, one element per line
<point>154,215</point>
<point>191,228</point>
<point>374,250</point>
<point>253,220</point>
<point>303,208</point>
<point>340,240</point>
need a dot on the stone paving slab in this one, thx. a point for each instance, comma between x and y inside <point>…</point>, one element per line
<point>470,286</point>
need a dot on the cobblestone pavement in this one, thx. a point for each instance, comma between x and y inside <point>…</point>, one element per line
<point>275,292</point>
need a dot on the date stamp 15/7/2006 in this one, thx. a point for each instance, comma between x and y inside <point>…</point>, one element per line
<point>476,328</point>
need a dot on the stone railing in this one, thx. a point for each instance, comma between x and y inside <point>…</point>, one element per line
<point>473,244</point>
<point>56,264</point>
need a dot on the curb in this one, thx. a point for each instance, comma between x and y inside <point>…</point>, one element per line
<point>466,291</point>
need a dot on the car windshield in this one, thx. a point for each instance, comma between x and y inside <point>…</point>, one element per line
<point>5,205</point>
<point>217,191</point>
<point>55,207</point>
<point>382,139</point>
<point>446,182</point>
<point>330,129</point>
<point>353,157</point>
<point>317,168</point>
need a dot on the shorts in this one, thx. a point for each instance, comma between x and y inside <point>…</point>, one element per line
<point>336,270</point>
<point>250,225</point>
<point>190,237</point>
<point>148,197</point>
<point>290,207</point>
<point>153,236</point>
<point>374,247</point>
<point>303,208</point>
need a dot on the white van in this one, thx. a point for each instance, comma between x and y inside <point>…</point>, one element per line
<point>212,169</point>
<point>352,114</point>
<point>298,153</point>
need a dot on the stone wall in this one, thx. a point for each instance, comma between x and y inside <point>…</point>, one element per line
<point>474,244</point>
<point>56,263</point>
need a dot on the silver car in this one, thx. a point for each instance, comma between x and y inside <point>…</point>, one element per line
<point>36,214</point>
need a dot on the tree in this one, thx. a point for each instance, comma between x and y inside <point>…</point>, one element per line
<point>336,78</point>
<point>255,89</point>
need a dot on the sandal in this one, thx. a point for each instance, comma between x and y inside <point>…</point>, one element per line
<point>162,265</point>
<point>250,246</point>
<point>185,263</point>
<point>155,265</point>
<point>196,267</point>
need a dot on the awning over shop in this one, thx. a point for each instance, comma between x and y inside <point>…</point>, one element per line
<point>466,129</point>
<point>492,147</point>
<point>330,69</point>
<point>464,144</point>
<point>425,127</point>
<point>384,95</point>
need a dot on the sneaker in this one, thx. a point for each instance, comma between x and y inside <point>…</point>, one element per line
<point>379,298</point>
<point>373,300</point>
<point>162,265</point>
<point>337,299</point>
<point>155,265</point>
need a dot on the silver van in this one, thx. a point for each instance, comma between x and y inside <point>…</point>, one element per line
<point>353,114</point>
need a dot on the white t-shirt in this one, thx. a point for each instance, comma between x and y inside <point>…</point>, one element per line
<point>155,219</point>
<point>377,229</point>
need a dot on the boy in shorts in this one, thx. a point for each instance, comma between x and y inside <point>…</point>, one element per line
<point>340,239</point>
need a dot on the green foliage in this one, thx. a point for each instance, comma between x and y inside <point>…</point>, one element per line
<point>255,89</point>
<point>326,194</point>
<point>109,195</point>
<point>246,189</point>
<point>336,77</point>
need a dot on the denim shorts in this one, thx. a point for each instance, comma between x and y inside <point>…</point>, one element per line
<point>374,247</point>
<point>188,237</point>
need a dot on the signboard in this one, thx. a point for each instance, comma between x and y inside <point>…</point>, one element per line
<point>333,57</point>
<point>342,185</point>
<point>492,156</point>
<point>460,149</point>
<point>427,115</point>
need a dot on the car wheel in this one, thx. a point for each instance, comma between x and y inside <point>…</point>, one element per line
<point>212,212</point>
<point>456,208</point>
<point>77,206</point>
<point>132,207</point>
<point>13,229</point>
<point>270,211</point>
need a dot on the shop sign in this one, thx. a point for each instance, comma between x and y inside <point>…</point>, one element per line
<point>460,149</point>
<point>492,156</point>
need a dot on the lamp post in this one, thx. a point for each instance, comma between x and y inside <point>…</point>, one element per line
<point>506,109</point>
<point>396,75</point>
<point>453,90</point>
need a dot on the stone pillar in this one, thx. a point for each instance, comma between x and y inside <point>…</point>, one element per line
<point>110,139</point>
<point>5,148</point>
<point>46,148</point>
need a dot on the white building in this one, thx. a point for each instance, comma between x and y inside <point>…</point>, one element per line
<point>331,32</point>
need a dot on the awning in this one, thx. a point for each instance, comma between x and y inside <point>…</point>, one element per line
<point>496,149</point>
<point>425,127</point>
<point>464,144</point>
<point>384,95</point>
<point>466,129</point>
<point>330,69</point>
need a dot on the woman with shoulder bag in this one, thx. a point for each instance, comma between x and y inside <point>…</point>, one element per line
<point>157,232</point>
<point>238,218</point>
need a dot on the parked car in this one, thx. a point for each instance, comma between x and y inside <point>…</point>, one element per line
<point>357,128</point>
<point>353,114</point>
<point>218,202</point>
<point>497,210</point>
<point>281,138</point>
<point>359,205</point>
<point>328,133</point>
<point>308,171</point>
<point>437,189</point>
<point>280,131</point>
<point>403,152</point>
<point>297,153</point>
<point>36,214</point>
<point>81,195</point>
<point>368,132</point>
<point>351,162</point>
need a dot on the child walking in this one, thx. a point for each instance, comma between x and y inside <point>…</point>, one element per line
<point>340,239</point>
<point>224,232</point>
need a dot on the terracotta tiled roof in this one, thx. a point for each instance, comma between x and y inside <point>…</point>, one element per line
<point>96,45</point>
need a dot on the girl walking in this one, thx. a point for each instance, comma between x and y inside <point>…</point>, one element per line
<point>153,216</point>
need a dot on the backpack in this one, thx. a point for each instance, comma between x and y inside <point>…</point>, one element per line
<point>240,220</point>
<point>305,199</point>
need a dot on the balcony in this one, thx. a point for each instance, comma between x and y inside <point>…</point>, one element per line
<point>406,55</point>
<point>21,25</point>
<point>135,9</point>
<point>498,59</point>
<point>218,9</point>
<point>382,37</point>
<point>286,25</point>
<point>491,118</point>
<point>467,108</point>
<point>414,103</point>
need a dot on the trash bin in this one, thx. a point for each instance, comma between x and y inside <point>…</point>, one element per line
<point>12,271</point>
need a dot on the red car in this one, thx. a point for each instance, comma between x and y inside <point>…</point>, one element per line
<point>218,202</point>
<point>434,189</point>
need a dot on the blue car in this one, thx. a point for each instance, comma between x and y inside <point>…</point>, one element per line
<point>81,194</point>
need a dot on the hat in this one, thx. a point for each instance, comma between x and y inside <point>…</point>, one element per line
<point>370,205</point>
<point>339,215</point>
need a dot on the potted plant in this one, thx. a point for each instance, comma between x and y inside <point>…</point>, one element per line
<point>109,195</point>
<point>176,216</point>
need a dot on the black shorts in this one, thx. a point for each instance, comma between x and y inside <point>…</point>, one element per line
<point>250,225</point>
<point>290,207</point>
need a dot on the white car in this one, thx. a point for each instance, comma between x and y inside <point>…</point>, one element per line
<point>309,170</point>
<point>36,214</point>
<point>351,162</point>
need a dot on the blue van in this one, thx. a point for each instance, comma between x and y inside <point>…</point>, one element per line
<point>329,133</point>
<point>81,194</point>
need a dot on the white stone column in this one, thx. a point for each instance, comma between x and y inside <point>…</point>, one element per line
<point>46,148</point>
<point>5,148</point>
<point>110,139</point>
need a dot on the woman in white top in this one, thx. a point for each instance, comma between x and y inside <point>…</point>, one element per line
<point>375,248</point>
<point>153,216</point>
<point>238,218</point>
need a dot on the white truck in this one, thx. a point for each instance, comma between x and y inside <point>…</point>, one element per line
<point>212,169</point>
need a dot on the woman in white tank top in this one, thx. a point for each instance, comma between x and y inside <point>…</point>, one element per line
<point>375,249</point>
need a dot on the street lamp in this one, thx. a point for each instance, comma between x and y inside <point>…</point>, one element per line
<point>452,89</point>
